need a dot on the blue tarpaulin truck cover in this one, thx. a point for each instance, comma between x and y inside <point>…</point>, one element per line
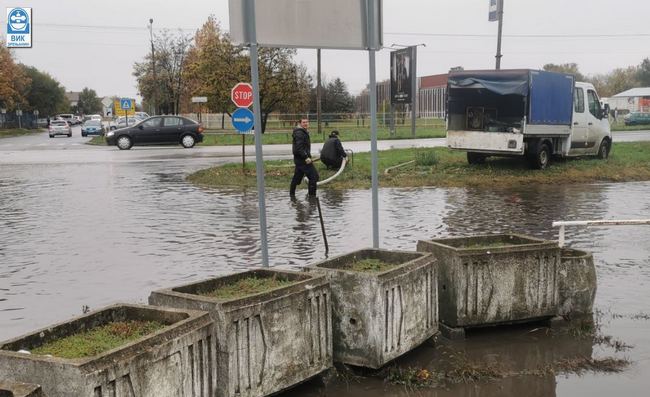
<point>549,94</point>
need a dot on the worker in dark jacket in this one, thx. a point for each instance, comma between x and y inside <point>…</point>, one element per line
<point>332,154</point>
<point>302,159</point>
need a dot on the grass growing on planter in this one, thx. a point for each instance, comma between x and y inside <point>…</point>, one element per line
<point>246,286</point>
<point>371,266</point>
<point>99,339</point>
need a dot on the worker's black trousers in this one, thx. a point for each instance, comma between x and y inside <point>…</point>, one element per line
<point>300,172</point>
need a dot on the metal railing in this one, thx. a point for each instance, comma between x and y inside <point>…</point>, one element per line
<point>562,224</point>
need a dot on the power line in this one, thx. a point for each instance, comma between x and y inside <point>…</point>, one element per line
<point>559,36</point>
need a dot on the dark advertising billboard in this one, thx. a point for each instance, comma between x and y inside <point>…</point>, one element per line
<point>402,75</point>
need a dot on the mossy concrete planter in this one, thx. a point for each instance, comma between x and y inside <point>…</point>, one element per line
<point>494,279</point>
<point>175,361</point>
<point>576,282</point>
<point>269,341</point>
<point>19,389</point>
<point>379,316</point>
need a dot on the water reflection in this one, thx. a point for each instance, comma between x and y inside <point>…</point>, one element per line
<point>92,235</point>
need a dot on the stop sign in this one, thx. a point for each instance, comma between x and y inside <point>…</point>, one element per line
<point>242,95</point>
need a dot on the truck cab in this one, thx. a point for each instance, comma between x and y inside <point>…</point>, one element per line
<point>529,113</point>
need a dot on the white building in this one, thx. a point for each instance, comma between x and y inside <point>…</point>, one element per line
<point>632,100</point>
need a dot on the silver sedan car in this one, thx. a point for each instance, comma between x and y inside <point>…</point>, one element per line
<point>59,127</point>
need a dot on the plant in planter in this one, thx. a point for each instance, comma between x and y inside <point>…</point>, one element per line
<point>272,328</point>
<point>494,279</point>
<point>120,350</point>
<point>384,304</point>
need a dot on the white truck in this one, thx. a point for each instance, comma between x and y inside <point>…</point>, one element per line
<point>531,113</point>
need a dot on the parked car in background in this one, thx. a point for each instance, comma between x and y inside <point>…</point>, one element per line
<point>76,120</point>
<point>637,118</point>
<point>92,127</point>
<point>123,122</point>
<point>65,116</point>
<point>96,117</point>
<point>59,127</point>
<point>157,130</point>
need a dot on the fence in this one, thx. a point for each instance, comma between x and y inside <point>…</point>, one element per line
<point>10,120</point>
<point>329,121</point>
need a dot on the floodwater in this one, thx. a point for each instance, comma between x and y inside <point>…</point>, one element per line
<point>97,233</point>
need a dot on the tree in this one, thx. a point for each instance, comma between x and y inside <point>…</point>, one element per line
<point>13,82</point>
<point>284,85</point>
<point>643,74</point>
<point>170,54</point>
<point>89,103</point>
<point>570,68</point>
<point>214,65</point>
<point>44,93</point>
<point>336,97</point>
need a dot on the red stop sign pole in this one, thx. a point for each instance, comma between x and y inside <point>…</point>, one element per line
<point>242,95</point>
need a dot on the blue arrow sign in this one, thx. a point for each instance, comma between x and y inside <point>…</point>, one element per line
<point>125,104</point>
<point>243,120</point>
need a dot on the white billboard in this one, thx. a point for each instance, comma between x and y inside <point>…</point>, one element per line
<point>336,24</point>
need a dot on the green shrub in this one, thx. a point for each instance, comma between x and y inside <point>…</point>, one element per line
<point>426,157</point>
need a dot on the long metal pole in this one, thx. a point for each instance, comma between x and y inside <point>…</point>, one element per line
<point>499,55</point>
<point>373,150</point>
<point>318,93</point>
<point>249,12</point>
<point>374,41</point>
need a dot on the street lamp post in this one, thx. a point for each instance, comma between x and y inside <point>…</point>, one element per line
<point>153,67</point>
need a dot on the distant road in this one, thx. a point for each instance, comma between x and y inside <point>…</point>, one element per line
<point>40,149</point>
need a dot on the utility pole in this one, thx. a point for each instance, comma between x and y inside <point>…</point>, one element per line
<point>500,13</point>
<point>318,93</point>
<point>153,67</point>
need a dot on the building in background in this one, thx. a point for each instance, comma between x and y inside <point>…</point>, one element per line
<point>73,98</point>
<point>632,100</point>
<point>432,96</point>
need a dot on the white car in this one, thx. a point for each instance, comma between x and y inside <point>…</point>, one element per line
<point>95,117</point>
<point>59,127</point>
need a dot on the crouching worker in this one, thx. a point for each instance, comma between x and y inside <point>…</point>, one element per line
<point>302,159</point>
<point>332,154</point>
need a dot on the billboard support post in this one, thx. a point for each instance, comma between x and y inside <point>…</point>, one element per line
<point>414,88</point>
<point>249,13</point>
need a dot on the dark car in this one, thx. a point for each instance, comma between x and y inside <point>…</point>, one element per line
<point>637,118</point>
<point>92,127</point>
<point>157,130</point>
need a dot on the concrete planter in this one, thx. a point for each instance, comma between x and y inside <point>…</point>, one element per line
<point>175,361</point>
<point>495,279</point>
<point>576,282</point>
<point>381,315</point>
<point>266,342</point>
<point>17,389</point>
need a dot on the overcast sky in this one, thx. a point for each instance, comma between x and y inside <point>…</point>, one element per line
<point>92,43</point>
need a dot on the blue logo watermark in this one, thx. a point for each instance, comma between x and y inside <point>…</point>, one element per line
<point>19,27</point>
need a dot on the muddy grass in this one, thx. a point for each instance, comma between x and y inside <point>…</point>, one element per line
<point>18,132</point>
<point>462,370</point>
<point>627,162</point>
<point>247,286</point>
<point>371,266</point>
<point>99,339</point>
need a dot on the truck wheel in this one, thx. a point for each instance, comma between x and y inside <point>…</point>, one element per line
<point>540,158</point>
<point>603,150</point>
<point>476,158</point>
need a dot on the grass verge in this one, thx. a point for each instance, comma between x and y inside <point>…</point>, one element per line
<point>99,339</point>
<point>247,286</point>
<point>627,162</point>
<point>18,132</point>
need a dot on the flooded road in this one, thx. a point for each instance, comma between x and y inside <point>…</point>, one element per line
<point>92,233</point>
